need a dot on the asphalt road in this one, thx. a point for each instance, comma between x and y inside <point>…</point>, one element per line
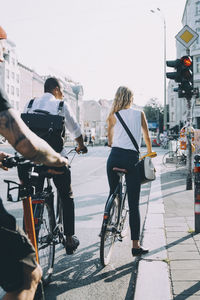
<point>80,276</point>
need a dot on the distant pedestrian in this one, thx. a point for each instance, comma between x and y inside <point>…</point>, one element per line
<point>124,155</point>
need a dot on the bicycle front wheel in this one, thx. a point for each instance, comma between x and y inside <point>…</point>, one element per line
<point>170,159</point>
<point>44,234</point>
<point>109,229</point>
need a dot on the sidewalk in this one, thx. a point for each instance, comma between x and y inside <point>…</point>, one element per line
<point>171,270</point>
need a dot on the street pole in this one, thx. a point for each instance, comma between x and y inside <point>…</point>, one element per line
<point>189,140</point>
<point>164,58</point>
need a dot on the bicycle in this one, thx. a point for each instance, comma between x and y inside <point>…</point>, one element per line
<point>48,225</point>
<point>175,158</point>
<point>114,217</point>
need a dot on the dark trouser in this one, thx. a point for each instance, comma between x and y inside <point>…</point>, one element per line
<point>63,185</point>
<point>127,159</point>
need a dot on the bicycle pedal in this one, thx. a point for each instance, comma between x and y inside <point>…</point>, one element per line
<point>120,239</point>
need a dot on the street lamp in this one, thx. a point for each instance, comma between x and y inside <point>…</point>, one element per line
<point>76,89</point>
<point>164,32</point>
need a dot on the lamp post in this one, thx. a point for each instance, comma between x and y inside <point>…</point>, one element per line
<point>76,89</point>
<point>164,54</point>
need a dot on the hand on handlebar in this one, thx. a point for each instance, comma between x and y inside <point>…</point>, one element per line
<point>2,156</point>
<point>151,154</point>
<point>82,149</point>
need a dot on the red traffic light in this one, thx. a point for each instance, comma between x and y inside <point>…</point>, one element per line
<point>186,61</point>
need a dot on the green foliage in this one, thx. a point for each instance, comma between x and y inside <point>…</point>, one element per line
<point>154,112</point>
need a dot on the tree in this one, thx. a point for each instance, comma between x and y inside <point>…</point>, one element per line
<point>154,112</point>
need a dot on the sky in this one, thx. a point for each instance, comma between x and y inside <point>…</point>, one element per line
<point>102,44</point>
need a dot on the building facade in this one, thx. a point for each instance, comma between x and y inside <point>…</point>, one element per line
<point>10,76</point>
<point>178,106</point>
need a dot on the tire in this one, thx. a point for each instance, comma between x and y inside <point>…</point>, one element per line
<point>123,227</point>
<point>109,227</point>
<point>44,235</point>
<point>170,159</point>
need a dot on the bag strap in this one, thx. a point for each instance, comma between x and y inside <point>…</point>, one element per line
<point>128,131</point>
<point>30,103</point>
<point>60,107</point>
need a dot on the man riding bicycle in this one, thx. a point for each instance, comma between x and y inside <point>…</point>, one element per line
<point>19,271</point>
<point>50,104</point>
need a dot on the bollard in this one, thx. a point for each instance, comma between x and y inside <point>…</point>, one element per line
<point>197,193</point>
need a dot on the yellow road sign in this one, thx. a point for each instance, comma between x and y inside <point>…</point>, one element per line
<point>187,36</point>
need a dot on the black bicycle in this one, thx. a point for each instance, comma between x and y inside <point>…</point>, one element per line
<point>48,219</point>
<point>114,218</point>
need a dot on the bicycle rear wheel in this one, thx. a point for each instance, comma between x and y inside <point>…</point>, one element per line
<point>44,234</point>
<point>109,229</point>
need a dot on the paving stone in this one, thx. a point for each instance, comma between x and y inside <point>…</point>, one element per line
<point>186,288</point>
<point>178,297</point>
<point>183,255</point>
<point>185,264</point>
<point>185,275</point>
<point>154,221</point>
<point>191,248</point>
<point>177,234</point>
<point>183,228</point>
<point>180,241</point>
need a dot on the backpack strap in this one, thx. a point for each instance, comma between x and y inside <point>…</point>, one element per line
<point>60,107</point>
<point>30,104</point>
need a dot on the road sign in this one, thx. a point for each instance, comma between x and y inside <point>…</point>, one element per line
<point>186,36</point>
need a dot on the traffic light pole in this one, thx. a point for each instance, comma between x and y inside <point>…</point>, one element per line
<point>189,140</point>
<point>189,146</point>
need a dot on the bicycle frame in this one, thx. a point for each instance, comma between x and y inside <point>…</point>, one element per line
<point>118,191</point>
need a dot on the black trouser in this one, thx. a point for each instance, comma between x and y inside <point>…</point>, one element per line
<point>63,185</point>
<point>127,159</point>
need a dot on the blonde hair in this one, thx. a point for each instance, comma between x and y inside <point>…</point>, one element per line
<point>123,99</point>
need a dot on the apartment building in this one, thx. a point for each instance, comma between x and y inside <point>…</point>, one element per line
<point>178,106</point>
<point>10,76</point>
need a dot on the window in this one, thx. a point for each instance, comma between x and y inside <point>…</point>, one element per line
<point>198,64</point>
<point>13,75</point>
<point>17,78</point>
<point>8,88</point>
<point>17,92</point>
<point>198,39</point>
<point>172,102</point>
<point>12,103</point>
<point>7,74</point>
<point>12,90</point>
<point>13,61</point>
<point>198,8</point>
<point>17,105</point>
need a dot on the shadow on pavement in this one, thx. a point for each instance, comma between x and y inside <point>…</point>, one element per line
<point>83,269</point>
<point>182,239</point>
<point>188,292</point>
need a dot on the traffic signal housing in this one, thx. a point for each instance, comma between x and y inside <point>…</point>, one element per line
<point>183,75</point>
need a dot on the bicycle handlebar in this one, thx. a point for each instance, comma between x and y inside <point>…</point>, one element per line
<point>19,160</point>
<point>152,155</point>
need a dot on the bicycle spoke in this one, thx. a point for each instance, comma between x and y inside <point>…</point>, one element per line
<point>109,232</point>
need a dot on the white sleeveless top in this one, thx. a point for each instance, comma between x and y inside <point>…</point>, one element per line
<point>132,118</point>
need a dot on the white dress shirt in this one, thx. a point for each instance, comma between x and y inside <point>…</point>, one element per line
<point>49,103</point>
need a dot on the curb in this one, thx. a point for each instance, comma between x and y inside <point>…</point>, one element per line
<point>153,280</point>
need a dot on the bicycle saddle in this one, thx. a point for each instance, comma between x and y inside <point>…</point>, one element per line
<point>115,169</point>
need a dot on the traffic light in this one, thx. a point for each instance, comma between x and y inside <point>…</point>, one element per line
<point>183,75</point>
<point>173,64</point>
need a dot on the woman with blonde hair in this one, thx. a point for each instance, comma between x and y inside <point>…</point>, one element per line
<point>124,155</point>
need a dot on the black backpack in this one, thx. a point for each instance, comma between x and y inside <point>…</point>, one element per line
<point>50,128</point>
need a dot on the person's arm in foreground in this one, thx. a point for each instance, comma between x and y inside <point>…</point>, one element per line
<point>145,131</point>
<point>111,123</point>
<point>26,142</point>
